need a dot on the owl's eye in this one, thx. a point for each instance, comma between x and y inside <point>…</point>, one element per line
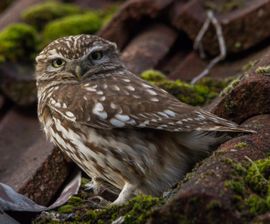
<point>96,55</point>
<point>58,62</point>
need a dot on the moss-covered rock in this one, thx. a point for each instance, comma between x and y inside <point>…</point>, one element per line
<point>41,14</point>
<point>223,6</point>
<point>87,23</point>
<point>263,70</point>
<point>18,43</point>
<point>197,94</point>
<point>136,211</point>
<point>251,185</point>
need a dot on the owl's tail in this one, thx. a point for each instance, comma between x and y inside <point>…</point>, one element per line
<point>203,141</point>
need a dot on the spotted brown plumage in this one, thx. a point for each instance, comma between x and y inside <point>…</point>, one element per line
<point>115,126</point>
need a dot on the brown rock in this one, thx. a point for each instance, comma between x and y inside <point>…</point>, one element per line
<point>18,83</point>
<point>147,49</point>
<point>204,196</point>
<point>93,4</point>
<point>13,13</point>
<point>241,23</point>
<point>262,219</point>
<point>250,97</point>
<point>192,65</point>
<point>29,163</point>
<point>133,15</point>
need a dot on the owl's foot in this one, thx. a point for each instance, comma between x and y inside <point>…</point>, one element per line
<point>94,186</point>
<point>126,194</point>
<point>98,202</point>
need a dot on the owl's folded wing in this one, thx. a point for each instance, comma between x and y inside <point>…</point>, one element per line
<point>132,103</point>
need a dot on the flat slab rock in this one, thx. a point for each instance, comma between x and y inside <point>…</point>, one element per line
<point>29,163</point>
<point>236,66</point>
<point>244,23</point>
<point>130,18</point>
<point>148,48</point>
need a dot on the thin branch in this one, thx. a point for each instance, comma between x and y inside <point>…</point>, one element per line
<point>221,42</point>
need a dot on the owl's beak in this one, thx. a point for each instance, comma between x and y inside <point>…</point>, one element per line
<point>78,71</point>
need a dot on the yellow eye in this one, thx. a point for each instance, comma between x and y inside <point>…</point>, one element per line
<point>58,62</point>
<point>96,55</point>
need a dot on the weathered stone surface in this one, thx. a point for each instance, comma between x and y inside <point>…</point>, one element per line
<point>262,219</point>
<point>250,97</point>
<point>234,66</point>
<point>29,163</point>
<point>148,48</point>
<point>204,197</point>
<point>93,3</point>
<point>242,25</point>
<point>13,13</point>
<point>18,83</point>
<point>133,15</point>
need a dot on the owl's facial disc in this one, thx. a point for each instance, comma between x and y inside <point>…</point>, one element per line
<point>77,57</point>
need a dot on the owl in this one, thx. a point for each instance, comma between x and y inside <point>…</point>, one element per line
<point>116,127</point>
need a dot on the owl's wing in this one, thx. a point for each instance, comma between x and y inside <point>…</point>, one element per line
<point>119,101</point>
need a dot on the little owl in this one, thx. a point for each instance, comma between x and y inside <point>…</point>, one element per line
<point>115,126</point>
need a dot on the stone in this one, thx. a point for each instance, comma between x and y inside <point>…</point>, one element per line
<point>205,191</point>
<point>241,23</point>
<point>18,83</point>
<point>29,163</point>
<point>248,97</point>
<point>232,67</point>
<point>133,15</point>
<point>148,48</point>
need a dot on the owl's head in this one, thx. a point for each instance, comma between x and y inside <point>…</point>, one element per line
<point>77,58</point>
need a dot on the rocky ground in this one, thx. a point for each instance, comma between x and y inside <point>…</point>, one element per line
<point>156,42</point>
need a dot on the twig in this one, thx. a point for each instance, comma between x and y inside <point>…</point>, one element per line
<point>198,44</point>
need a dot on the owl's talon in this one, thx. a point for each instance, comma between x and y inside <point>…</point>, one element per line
<point>89,187</point>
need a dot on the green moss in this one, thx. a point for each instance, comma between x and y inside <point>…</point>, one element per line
<point>257,205</point>
<point>263,70</point>
<point>66,209</point>
<point>136,211</point>
<point>257,176</point>
<point>153,76</point>
<point>39,15</point>
<point>213,204</point>
<point>228,89</point>
<point>249,65</point>
<point>87,23</point>
<point>251,188</point>
<point>223,6</point>
<point>238,45</point>
<point>240,145</point>
<point>17,43</point>
<point>198,94</point>
<point>236,185</point>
